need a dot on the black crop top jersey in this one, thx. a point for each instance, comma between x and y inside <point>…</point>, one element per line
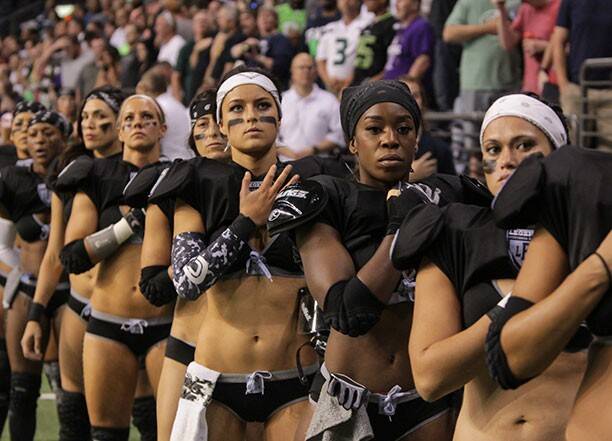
<point>23,192</point>
<point>467,246</point>
<point>569,193</point>
<point>137,191</point>
<point>102,180</point>
<point>359,212</point>
<point>8,155</point>
<point>213,188</point>
<point>67,197</point>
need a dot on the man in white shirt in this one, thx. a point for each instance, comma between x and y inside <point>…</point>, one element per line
<point>166,38</point>
<point>310,116</point>
<point>174,143</point>
<point>337,47</point>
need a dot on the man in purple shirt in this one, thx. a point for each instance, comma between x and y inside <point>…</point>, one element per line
<point>411,52</point>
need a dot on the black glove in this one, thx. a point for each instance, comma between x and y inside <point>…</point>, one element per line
<point>156,286</point>
<point>136,219</point>
<point>399,206</point>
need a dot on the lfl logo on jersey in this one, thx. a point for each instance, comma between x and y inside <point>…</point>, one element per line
<point>518,242</point>
<point>43,194</point>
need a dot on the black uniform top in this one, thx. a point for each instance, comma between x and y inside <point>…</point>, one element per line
<point>23,193</point>
<point>467,246</point>
<point>372,47</point>
<point>137,191</point>
<point>359,212</point>
<point>213,188</point>
<point>102,180</point>
<point>67,197</point>
<point>8,155</point>
<point>569,194</point>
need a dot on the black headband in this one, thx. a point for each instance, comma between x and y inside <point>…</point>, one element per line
<point>201,107</point>
<point>55,119</point>
<point>111,96</point>
<point>358,99</point>
<point>28,106</point>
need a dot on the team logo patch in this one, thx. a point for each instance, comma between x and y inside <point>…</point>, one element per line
<point>43,194</point>
<point>431,194</point>
<point>197,390</point>
<point>254,185</point>
<point>295,205</point>
<point>518,242</point>
<point>196,270</point>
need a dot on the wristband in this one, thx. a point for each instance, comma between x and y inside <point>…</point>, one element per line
<point>36,312</point>
<point>243,227</point>
<point>122,230</point>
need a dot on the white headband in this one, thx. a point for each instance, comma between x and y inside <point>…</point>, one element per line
<point>246,78</point>
<point>529,109</point>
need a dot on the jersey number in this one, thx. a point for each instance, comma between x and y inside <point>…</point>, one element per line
<point>341,45</point>
<point>365,52</point>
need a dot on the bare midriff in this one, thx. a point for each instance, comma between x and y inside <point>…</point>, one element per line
<point>251,324</point>
<point>590,417</point>
<point>116,288</point>
<point>31,255</point>
<point>83,284</point>
<point>188,318</point>
<point>379,359</point>
<point>537,411</point>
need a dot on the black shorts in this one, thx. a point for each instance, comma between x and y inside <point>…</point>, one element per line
<point>138,335</point>
<point>79,305</point>
<point>27,286</point>
<point>278,393</point>
<point>409,415</point>
<point>178,350</point>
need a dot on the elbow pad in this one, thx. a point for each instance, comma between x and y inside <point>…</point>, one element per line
<point>496,358</point>
<point>74,257</point>
<point>31,229</point>
<point>156,285</point>
<point>197,267</point>
<point>351,308</point>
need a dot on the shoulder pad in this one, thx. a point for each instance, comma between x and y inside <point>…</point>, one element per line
<point>136,192</point>
<point>74,174</point>
<point>518,202</point>
<point>438,189</point>
<point>171,181</point>
<point>327,182</point>
<point>296,205</point>
<point>314,165</point>
<point>475,192</point>
<point>419,229</point>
